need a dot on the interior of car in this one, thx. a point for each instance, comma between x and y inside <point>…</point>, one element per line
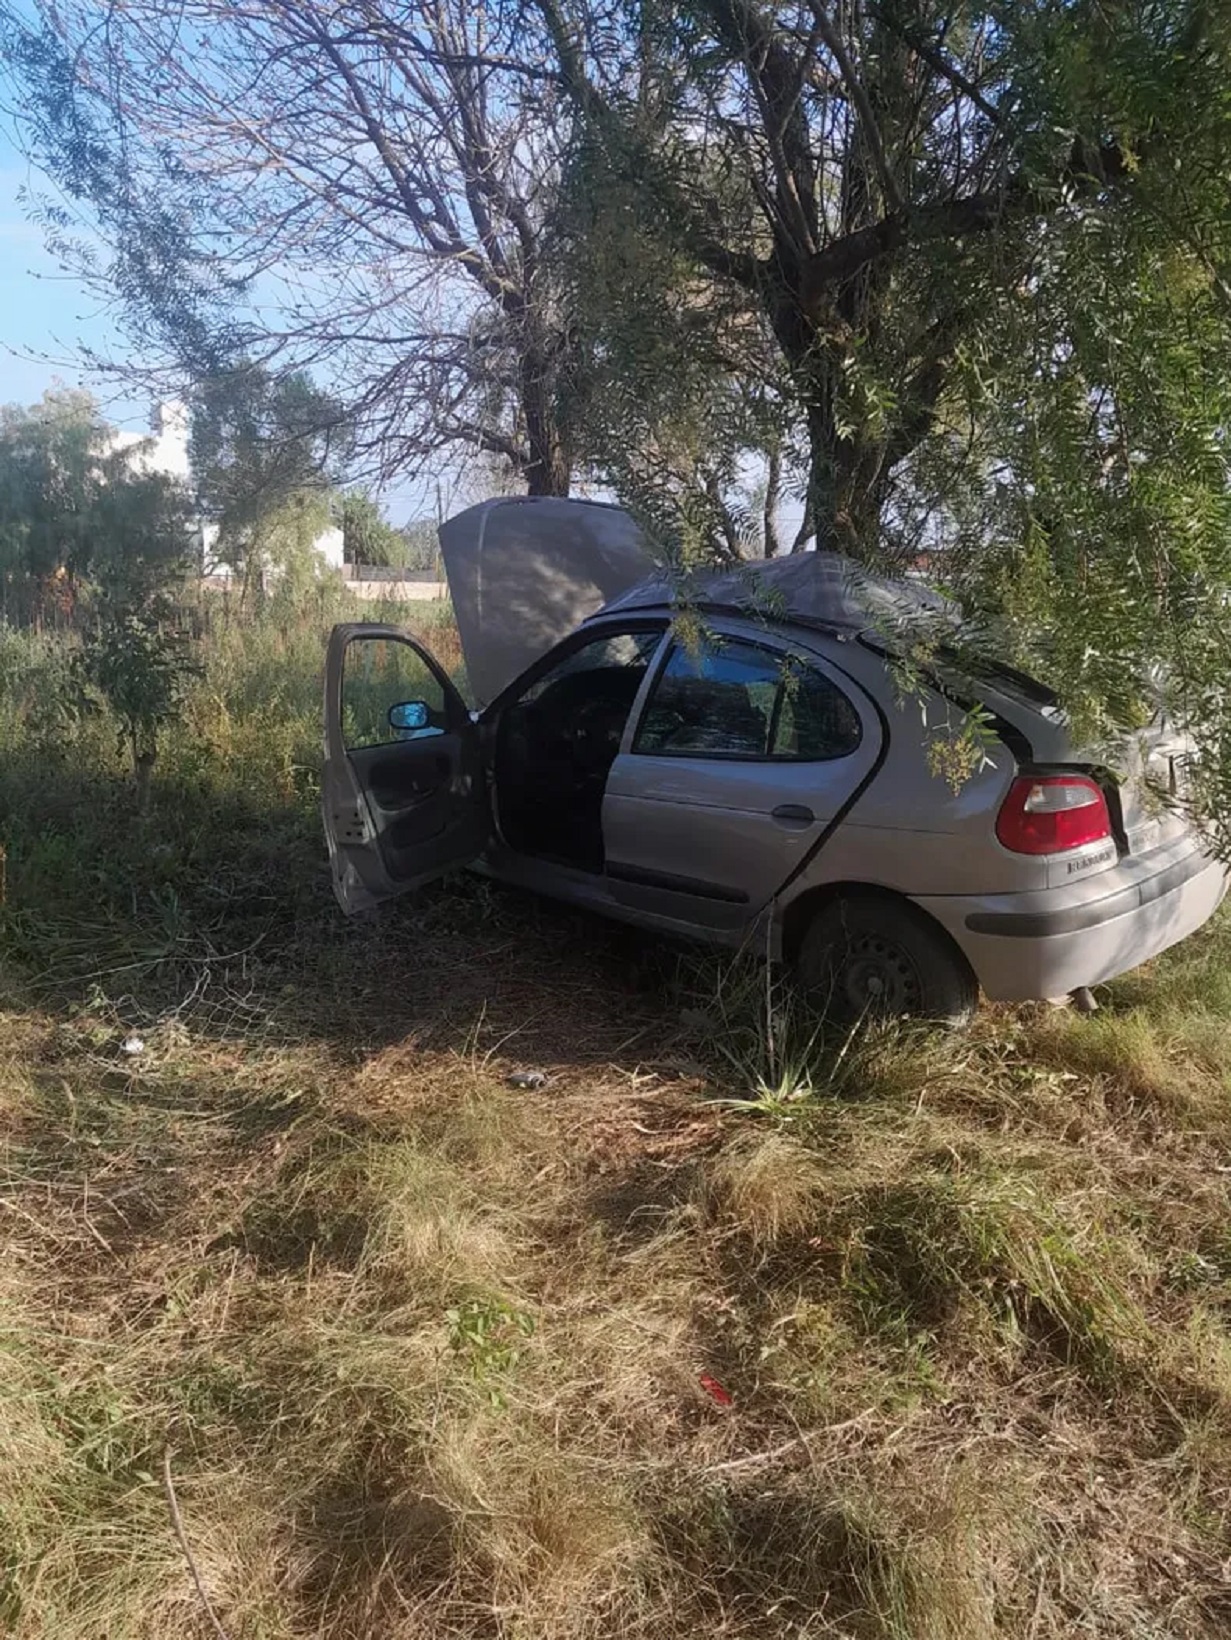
<point>555,746</point>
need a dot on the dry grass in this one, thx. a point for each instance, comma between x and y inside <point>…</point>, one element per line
<point>769,1186</point>
<point>899,1338</point>
<point>435,1357</point>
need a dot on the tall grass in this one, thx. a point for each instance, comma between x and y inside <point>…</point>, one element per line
<point>733,1327</point>
<point>233,839</point>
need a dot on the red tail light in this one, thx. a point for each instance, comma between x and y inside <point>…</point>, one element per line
<point>1048,813</point>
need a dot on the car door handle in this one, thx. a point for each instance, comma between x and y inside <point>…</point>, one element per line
<point>793,814</point>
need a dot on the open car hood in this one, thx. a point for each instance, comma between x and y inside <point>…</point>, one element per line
<point>526,571</point>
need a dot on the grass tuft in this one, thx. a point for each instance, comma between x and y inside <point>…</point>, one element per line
<point>770,1185</point>
<point>929,1254</point>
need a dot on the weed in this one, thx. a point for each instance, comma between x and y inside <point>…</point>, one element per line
<point>488,1335</point>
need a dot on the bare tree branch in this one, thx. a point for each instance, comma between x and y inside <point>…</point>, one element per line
<point>869,127</point>
<point>936,60</point>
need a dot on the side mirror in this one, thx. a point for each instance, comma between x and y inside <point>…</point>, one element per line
<point>409,715</point>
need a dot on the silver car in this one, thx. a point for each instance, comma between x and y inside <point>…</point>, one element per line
<point>745,768</point>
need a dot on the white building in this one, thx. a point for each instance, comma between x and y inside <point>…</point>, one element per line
<point>164,449</point>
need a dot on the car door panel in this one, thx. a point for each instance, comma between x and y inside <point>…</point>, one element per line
<point>403,810</point>
<point>409,791</point>
<point>710,826</point>
<point>714,837</point>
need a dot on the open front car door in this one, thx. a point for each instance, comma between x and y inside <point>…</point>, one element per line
<point>402,791</point>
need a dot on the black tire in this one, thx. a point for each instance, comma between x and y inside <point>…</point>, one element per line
<point>864,956</point>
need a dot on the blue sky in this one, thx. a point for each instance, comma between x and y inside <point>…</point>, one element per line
<point>46,317</point>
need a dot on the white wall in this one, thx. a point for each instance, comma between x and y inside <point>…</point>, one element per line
<point>329,545</point>
<point>164,449</point>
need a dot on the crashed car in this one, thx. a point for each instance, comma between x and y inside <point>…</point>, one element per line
<point>749,772</point>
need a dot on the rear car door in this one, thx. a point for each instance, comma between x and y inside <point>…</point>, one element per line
<point>748,749</point>
<point>403,796</point>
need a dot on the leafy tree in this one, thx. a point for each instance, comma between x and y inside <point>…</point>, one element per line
<point>77,505</point>
<point>51,461</point>
<point>81,519</point>
<point>286,550</point>
<point>683,407</point>
<point>870,179</point>
<point>265,451</point>
<point>367,536</point>
<point>136,654</point>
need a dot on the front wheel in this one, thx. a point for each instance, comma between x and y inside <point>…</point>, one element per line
<point>866,957</point>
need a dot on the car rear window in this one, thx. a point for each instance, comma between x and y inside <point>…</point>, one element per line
<point>1017,685</point>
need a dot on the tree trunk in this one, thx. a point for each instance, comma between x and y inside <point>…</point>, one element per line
<point>143,768</point>
<point>770,540</point>
<point>549,469</point>
<point>549,475</point>
<point>847,482</point>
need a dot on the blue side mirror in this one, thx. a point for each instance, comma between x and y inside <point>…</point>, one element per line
<point>409,714</point>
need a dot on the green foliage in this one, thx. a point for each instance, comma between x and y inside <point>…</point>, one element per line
<point>233,793</point>
<point>1088,519</point>
<point>51,468</point>
<point>265,450</point>
<point>138,663</point>
<point>488,1334</point>
<point>40,688</point>
<point>82,527</point>
<point>163,283</point>
<point>367,536</point>
<point>679,403</point>
<point>420,548</point>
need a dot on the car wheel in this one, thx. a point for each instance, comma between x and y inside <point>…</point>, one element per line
<point>868,957</point>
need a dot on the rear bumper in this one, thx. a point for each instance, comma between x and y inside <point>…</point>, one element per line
<point>1049,942</point>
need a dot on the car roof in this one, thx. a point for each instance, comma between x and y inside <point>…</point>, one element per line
<point>807,589</point>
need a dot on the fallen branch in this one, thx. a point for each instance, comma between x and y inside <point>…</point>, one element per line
<point>169,1488</point>
<point>755,1460</point>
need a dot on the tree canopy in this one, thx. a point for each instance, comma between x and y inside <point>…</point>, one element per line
<point>367,535</point>
<point>265,452</point>
<point>383,177</point>
<point>76,505</point>
<point>955,268</point>
<point>878,180</point>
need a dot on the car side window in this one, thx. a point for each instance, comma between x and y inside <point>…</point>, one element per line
<point>727,698</point>
<point>815,720</point>
<point>379,674</point>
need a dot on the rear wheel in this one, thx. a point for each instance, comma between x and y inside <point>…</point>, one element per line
<point>868,957</point>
